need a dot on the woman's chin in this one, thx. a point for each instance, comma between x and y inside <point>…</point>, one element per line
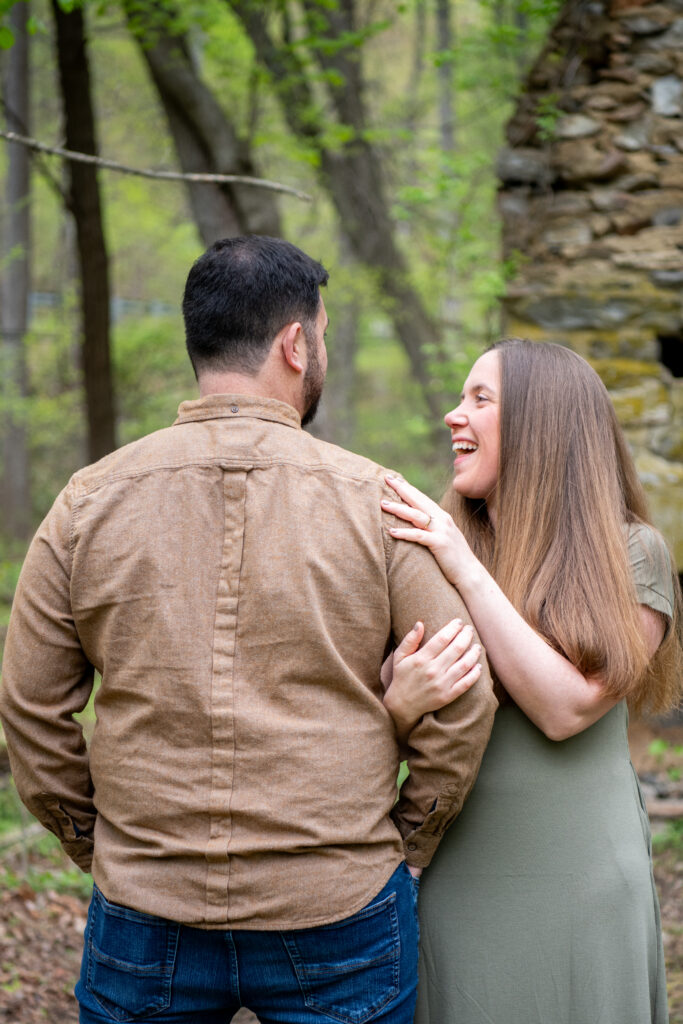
<point>460,487</point>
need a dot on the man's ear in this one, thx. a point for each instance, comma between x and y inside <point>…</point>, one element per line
<point>292,343</point>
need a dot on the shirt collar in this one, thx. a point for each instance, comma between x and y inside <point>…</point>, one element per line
<point>213,407</point>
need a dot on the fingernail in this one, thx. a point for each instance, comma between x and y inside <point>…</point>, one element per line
<point>416,626</point>
<point>384,501</point>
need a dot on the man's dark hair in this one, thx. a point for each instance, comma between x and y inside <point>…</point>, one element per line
<point>240,293</point>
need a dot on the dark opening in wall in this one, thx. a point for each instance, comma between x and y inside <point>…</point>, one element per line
<point>671,352</point>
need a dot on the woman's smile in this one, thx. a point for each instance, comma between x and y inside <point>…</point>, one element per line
<point>475,431</point>
<point>463,448</point>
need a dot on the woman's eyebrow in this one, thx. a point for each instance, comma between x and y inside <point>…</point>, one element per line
<point>478,387</point>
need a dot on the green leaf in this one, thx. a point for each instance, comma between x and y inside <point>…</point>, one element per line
<point>6,37</point>
<point>658,748</point>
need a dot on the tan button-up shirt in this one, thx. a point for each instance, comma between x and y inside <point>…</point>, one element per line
<point>232,580</point>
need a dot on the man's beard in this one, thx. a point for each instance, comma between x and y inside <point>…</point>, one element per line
<point>314,379</point>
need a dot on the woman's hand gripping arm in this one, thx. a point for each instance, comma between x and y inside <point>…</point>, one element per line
<point>418,680</point>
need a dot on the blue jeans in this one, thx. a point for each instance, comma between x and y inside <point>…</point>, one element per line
<point>137,967</point>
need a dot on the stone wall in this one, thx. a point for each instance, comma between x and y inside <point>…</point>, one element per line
<point>592,205</point>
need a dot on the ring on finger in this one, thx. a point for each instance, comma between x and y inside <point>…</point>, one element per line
<point>427,524</point>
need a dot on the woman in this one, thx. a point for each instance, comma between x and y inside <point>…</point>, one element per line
<point>539,906</point>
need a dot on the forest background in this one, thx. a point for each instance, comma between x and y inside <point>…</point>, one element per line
<point>416,93</point>
<point>386,116</point>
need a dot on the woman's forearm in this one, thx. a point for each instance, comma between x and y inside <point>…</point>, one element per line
<point>546,686</point>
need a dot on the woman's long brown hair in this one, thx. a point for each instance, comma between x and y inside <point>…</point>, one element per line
<point>567,488</point>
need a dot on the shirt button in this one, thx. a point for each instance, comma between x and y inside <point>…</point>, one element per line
<point>411,846</point>
<point>234,408</point>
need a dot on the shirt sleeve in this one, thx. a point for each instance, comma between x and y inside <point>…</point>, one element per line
<point>445,747</point>
<point>651,568</point>
<point>46,678</point>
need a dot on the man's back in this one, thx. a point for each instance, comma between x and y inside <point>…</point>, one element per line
<point>232,580</point>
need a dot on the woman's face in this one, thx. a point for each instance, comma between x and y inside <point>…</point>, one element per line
<point>475,431</point>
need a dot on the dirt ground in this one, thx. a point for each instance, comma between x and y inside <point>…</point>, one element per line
<point>41,934</point>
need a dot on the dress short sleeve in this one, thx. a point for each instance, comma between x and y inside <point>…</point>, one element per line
<point>651,568</point>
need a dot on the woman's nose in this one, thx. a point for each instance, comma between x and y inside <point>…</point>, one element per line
<point>456,417</point>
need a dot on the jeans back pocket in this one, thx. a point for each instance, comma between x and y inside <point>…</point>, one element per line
<point>131,957</point>
<point>349,970</point>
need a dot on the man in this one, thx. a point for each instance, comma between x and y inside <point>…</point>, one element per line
<point>232,580</point>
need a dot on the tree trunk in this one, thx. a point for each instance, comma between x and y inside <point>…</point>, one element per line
<point>351,173</point>
<point>336,420</point>
<point>444,45</point>
<point>84,203</point>
<point>411,99</point>
<point>340,394</point>
<point>16,496</point>
<point>521,23</point>
<point>205,140</point>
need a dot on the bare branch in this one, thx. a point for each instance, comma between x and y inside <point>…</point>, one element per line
<point>113,165</point>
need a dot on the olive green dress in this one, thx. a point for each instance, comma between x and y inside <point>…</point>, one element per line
<point>540,906</point>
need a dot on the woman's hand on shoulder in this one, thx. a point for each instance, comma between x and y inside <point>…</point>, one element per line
<point>432,527</point>
<point>427,678</point>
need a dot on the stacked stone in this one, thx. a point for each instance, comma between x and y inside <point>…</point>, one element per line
<point>592,206</point>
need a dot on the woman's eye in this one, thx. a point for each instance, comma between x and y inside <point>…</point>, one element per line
<point>481,397</point>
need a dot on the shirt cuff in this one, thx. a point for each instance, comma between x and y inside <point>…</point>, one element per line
<point>81,852</point>
<point>77,844</point>
<point>420,841</point>
<point>419,849</point>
